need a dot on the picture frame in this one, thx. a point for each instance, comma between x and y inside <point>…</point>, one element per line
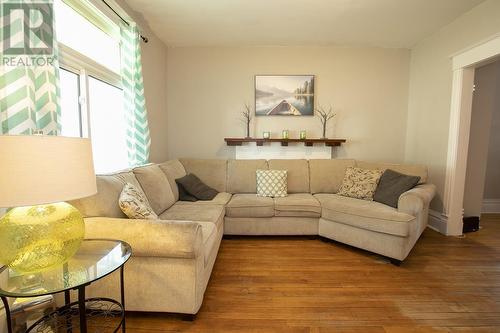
<point>284,95</point>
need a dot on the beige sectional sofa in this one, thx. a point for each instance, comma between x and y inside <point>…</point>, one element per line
<point>173,257</point>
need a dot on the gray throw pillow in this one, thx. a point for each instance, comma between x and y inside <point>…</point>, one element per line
<point>183,195</point>
<point>195,187</point>
<point>391,185</point>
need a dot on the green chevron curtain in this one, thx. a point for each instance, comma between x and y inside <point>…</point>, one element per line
<point>29,94</point>
<point>138,139</point>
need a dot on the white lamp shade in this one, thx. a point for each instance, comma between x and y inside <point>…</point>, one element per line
<point>37,169</point>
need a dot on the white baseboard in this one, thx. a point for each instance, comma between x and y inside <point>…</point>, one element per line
<point>437,221</point>
<point>491,206</point>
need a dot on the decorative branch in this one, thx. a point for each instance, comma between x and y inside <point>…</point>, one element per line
<point>247,118</point>
<point>324,116</point>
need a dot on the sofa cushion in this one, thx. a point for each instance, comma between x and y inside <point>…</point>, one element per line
<point>327,175</point>
<point>155,184</point>
<point>250,205</point>
<point>298,174</point>
<point>296,205</point>
<point>212,172</point>
<point>241,177</point>
<point>407,169</point>
<point>194,212</point>
<point>369,215</point>
<point>105,202</point>
<point>195,187</point>
<point>173,169</point>
<point>220,199</point>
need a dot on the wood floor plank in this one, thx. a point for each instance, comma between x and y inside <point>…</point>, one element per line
<point>290,284</point>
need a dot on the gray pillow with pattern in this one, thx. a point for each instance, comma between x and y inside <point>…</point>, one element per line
<point>360,183</point>
<point>134,204</point>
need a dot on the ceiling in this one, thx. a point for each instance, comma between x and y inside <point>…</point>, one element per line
<point>383,23</point>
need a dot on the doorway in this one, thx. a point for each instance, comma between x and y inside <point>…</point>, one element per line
<point>463,66</point>
<point>482,179</point>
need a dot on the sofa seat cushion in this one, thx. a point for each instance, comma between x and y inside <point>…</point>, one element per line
<point>369,215</point>
<point>250,205</point>
<point>297,205</point>
<point>194,212</point>
<point>221,198</point>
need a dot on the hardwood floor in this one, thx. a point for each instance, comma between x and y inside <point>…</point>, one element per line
<point>447,284</point>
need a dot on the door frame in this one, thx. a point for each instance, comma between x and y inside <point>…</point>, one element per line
<point>463,67</point>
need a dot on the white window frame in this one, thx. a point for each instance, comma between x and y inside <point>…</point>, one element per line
<point>77,63</point>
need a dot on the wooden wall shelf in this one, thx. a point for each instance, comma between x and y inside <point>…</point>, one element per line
<point>284,142</point>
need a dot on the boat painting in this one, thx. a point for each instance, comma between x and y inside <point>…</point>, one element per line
<point>284,95</point>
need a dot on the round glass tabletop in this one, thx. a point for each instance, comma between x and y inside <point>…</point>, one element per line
<point>95,259</point>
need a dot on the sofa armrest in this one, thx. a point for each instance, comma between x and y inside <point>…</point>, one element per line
<point>150,238</point>
<point>417,199</point>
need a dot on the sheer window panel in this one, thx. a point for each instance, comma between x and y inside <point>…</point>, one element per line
<point>70,106</point>
<point>107,127</point>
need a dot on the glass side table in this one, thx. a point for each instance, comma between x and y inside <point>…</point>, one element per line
<point>95,259</point>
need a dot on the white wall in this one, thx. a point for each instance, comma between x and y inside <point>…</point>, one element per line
<point>154,68</point>
<point>483,104</point>
<point>430,88</point>
<point>207,89</point>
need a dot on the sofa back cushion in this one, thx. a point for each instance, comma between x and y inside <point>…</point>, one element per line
<point>173,169</point>
<point>407,169</point>
<point>155,184</point>
<point>210,171</point>
<point>241,175</point>
<point>327,175</point>
<point>105,202</point>
<point>298,174</point>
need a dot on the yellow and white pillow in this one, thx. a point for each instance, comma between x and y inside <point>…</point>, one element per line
<point>271,183</point>
<point>360,183</point>
<point>134,204</point>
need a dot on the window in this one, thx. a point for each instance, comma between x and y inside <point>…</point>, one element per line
<point>91,95</point>
<point>70,92</point>
<point>107,126</point>
<point>78,33</point>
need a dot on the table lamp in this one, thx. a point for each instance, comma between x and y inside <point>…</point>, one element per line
<point>38,173</point>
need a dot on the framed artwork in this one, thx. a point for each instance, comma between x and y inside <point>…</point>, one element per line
<point>284,95</point>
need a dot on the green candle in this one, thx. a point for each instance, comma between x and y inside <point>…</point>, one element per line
<point>266,134</point>
<point>303,135</point>
<point>285,134</point>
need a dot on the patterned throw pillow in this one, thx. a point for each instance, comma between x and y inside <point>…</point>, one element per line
<point>134,204</point>
<point>360,183</point>
<point>271,183</point>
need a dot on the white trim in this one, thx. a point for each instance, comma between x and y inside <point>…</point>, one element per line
<point>458,144</point>
<point>478,53</point>
<point>458,136</point>
<point>437,221</point>
<point>96,12</point>
<point>490,206</point>
<point>77,61</point>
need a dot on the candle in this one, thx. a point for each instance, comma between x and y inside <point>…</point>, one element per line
<point>285,134</point>
<point>303,135</point>
<point>266,134</point>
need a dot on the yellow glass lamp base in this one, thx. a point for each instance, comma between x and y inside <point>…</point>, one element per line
<point>35,238</point>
